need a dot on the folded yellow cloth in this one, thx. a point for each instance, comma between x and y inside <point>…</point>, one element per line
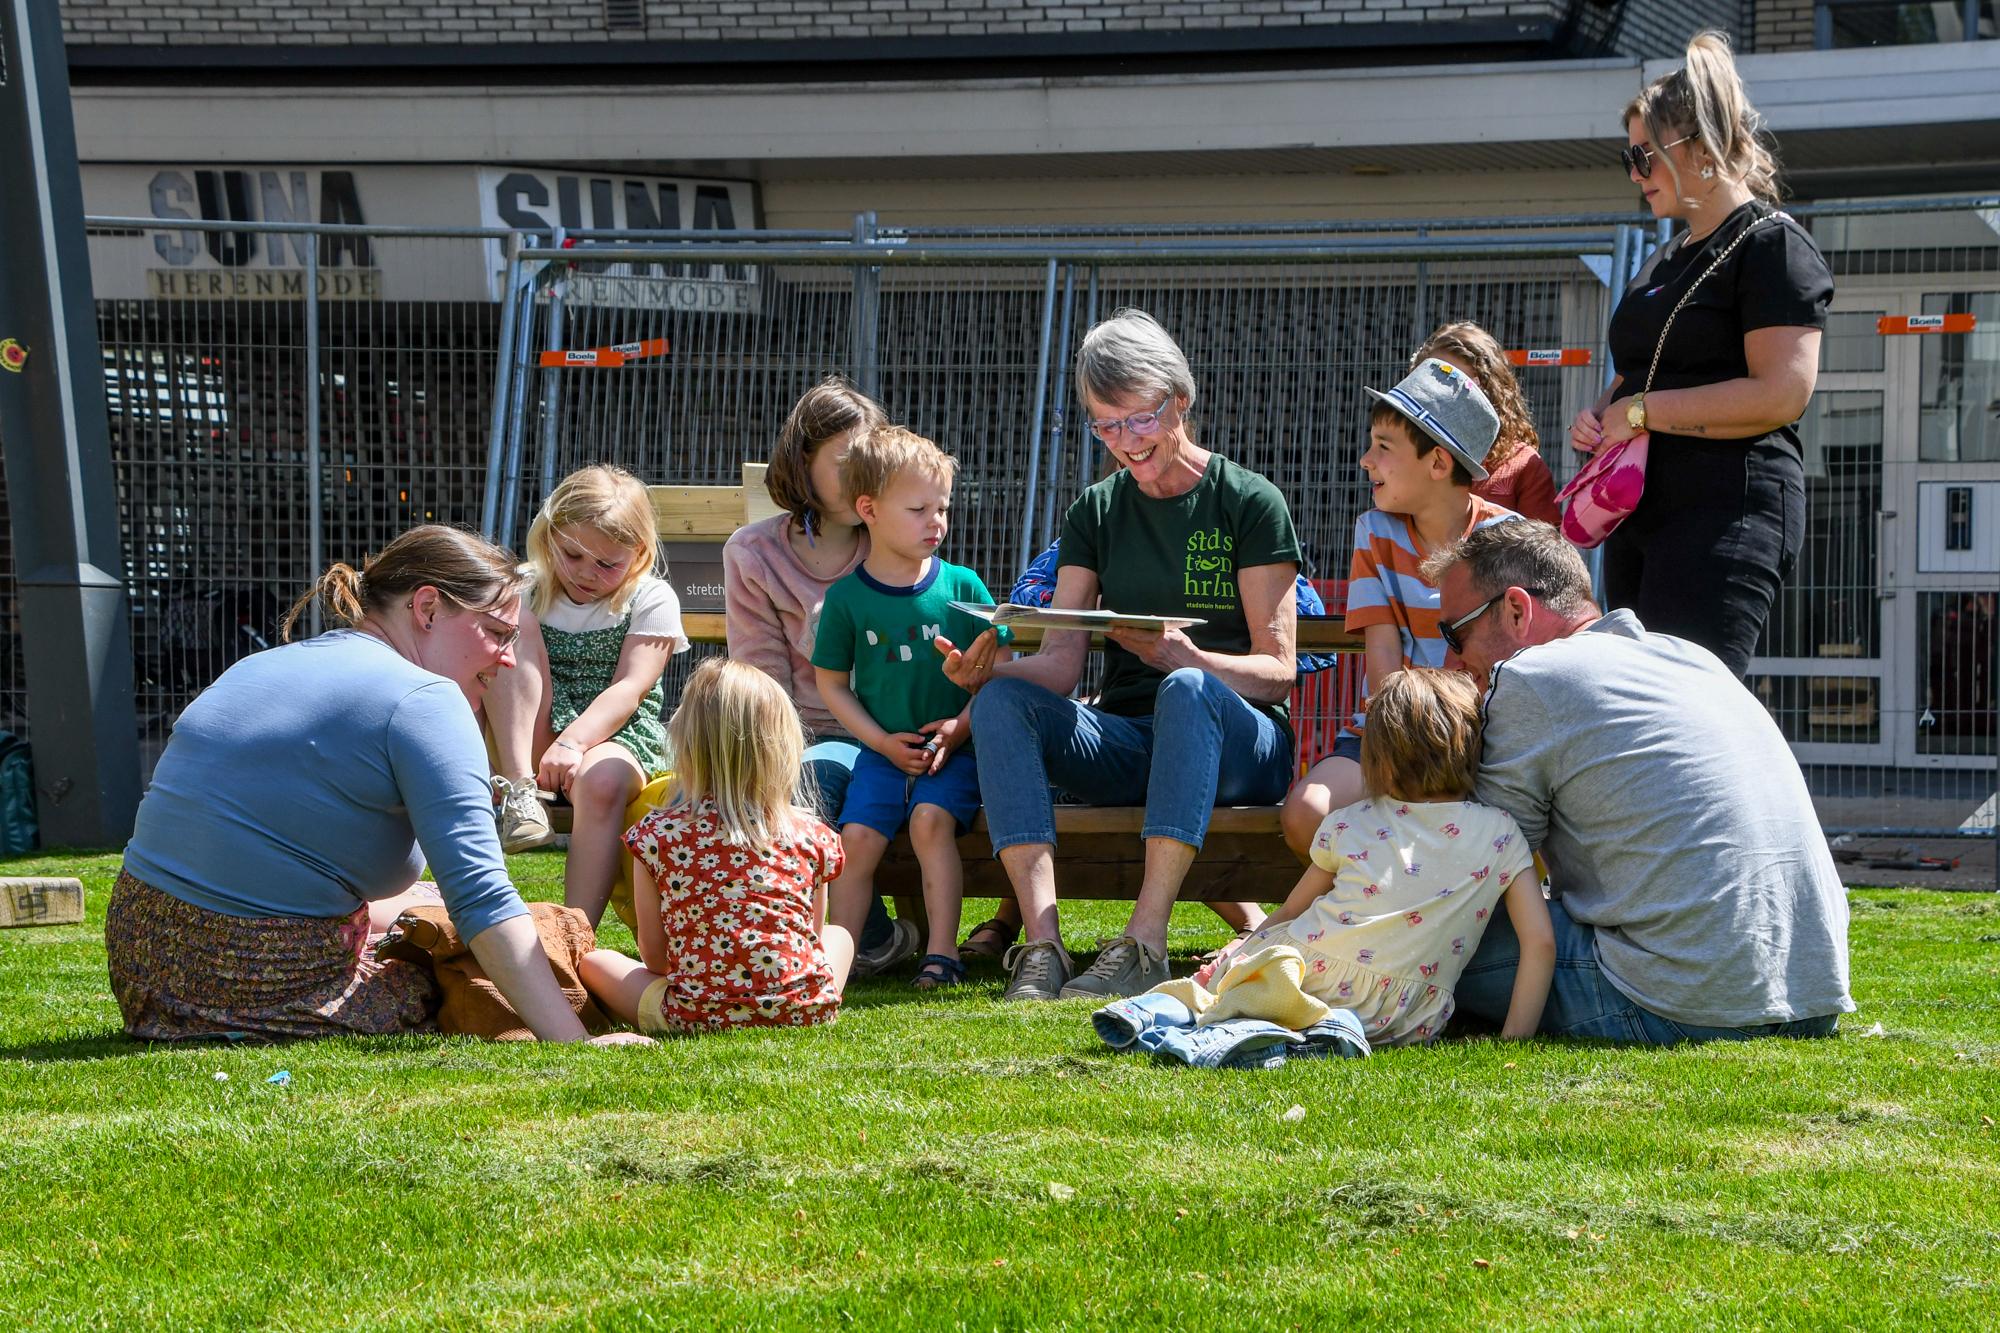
<point>1268,984</point>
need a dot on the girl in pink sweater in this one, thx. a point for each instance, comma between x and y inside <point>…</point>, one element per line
<point>775,576</point>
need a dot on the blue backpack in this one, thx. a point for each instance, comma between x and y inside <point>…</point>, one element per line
<point>18,832</point>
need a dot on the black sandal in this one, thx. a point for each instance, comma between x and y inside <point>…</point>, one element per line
<point>1003,931</point>
<point>938,970</point>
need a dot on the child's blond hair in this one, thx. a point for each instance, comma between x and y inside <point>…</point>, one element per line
<point>1422,738</point>
<point>612,501</point>
<point>878,457</point>
<point>737,739</point>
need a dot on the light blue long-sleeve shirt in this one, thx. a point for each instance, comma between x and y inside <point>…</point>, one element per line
<point>313,777</point>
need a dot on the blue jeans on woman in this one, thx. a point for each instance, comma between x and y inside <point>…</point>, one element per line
<point>1582,1000</point>
<point>829,768</point>
<point>1203,746</point>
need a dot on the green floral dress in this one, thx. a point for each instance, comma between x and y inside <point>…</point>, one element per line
<point>581,667</point>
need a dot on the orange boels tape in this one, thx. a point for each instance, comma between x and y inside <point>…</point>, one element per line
<point>1553,356</point>
<point>1926,324</point>
<point>605,358</point>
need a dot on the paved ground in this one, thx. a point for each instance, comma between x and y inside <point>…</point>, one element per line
<point>1975,856</point>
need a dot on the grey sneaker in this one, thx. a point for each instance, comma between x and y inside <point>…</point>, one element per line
<point>901,946</point>
<point>523,821</point>
<point>1036,970</point>
<point>1126,967</point>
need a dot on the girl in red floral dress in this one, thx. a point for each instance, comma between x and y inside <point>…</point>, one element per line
<point>730,875</point>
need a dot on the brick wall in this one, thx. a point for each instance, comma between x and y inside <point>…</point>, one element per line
<point>1784,25</point>
<point>299,22</point>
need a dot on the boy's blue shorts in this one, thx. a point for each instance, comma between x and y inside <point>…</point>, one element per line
<point>881,796</point>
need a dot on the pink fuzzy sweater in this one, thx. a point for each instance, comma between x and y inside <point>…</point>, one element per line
<point>773,603</point>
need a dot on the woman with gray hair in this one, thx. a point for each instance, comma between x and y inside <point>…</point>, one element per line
<point>1187,718</point>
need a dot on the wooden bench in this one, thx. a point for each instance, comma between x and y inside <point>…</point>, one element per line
<point>1098,852</point>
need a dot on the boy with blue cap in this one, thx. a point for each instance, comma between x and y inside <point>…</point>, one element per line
<point>1426,438</point>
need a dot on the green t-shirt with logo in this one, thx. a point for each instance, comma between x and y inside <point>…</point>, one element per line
<point>882,635</point>
<point>1178,557</point>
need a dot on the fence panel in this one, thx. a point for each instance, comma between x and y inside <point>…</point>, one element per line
<point>1877,662</point>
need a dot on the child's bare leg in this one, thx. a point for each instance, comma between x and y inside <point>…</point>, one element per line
<point>1239,916</point>
<point>617,981</point>
<point>934,838</point>
<point>1328,785</point>
<point>838,946</point>
<point>847,897</point>
<point>605,784</point>
<point>517,704</point>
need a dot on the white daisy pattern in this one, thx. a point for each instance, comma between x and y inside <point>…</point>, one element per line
<point>740,926</point>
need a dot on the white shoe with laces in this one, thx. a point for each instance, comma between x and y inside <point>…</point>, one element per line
<point>523,821</point>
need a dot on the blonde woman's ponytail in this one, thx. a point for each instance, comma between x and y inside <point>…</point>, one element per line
<point>1706,98</point>
<point>338,590</point>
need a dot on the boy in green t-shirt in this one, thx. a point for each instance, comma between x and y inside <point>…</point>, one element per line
<point>885,684</point>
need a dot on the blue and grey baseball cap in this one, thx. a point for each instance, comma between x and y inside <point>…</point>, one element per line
<point>1446,405</point>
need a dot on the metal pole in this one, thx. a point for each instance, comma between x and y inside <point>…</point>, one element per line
<point>505,369</point>
<point>1085,454</point>
<point>1061,403</point>
<point>1420,327</point>
<point>517,410</point>
<point>1041,408</point>
<point>867,313</point>
<point>552,377</point>
<point>315,464</point>
<point>62,497</point>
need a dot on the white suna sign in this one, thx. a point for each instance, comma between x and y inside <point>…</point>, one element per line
<point>523,198</point>
<point>165,262</point>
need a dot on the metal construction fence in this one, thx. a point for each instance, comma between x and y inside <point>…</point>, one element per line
<point>282,396</point>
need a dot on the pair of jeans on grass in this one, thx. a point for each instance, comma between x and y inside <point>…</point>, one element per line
<point>1203,746</point>
<point>1582,1000</point>
<point>1163,1026</point>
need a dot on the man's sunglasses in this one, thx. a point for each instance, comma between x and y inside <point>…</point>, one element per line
<point>1449,631</point>
<point>1639,158</point>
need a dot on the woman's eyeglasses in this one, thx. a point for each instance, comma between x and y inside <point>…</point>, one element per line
<point>1639,158</point>
<point>1140,424</point>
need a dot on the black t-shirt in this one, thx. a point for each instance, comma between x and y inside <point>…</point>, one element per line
<point>1775,279</point>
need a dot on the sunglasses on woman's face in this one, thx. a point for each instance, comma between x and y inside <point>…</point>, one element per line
<point>1639,158</point>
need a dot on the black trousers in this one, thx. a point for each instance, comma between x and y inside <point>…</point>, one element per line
<point>1717,534</point>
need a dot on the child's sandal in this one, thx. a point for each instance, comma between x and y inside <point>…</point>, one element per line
<point>990,938</point>
<point>938,970</point>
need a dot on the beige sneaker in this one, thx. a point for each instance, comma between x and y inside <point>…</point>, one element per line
<point>1126,967</point>
<point>1036,970</point>
<point>523,822</point>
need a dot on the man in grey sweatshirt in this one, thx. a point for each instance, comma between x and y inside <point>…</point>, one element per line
<point>1694,896</point>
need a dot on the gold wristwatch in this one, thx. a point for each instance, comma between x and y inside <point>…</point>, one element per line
<point>1635,412</point>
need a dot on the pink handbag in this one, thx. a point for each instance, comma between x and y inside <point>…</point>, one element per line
<point>1604,492</point>
<point>1607,488</point>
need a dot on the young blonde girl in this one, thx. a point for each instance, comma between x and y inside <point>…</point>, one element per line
<point>580,713</point>
<point>1402,884</point>
<point>1516,476</point>
<point>730,875</point>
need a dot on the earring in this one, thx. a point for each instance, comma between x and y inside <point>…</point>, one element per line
<point>430,624</point>
<point>1708,173</point>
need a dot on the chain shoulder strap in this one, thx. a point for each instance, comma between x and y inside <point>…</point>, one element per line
<point>1727,250</point>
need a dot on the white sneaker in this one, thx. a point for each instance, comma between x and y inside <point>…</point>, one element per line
<point>523,822</point>
<point>901,946</point>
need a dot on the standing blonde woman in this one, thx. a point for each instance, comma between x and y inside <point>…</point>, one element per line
<point>1723,515</point>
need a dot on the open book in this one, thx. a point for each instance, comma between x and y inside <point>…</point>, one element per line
<point>1047,618</point>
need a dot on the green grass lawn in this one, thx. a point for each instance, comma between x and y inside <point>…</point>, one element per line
<point>945,1162</point>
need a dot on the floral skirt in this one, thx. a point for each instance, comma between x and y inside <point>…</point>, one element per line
<point>180,971</point>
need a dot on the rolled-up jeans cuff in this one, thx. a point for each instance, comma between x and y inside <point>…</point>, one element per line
<point>1001,844</point>
<point>1192,837</point>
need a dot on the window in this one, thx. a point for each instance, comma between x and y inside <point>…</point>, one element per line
<point>1845,23</point>
<point>1959,383</point>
